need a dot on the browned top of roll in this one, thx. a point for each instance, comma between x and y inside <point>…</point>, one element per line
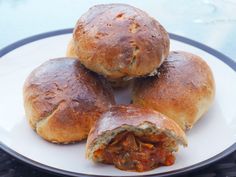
<point>65,83</point>
<point>184,88</point>
<point>118,40</point>
<point>131,115</point>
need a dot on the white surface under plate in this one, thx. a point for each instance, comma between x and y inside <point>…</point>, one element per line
<point>213,134</point>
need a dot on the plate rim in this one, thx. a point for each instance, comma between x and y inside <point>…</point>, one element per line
<point>227,60</point>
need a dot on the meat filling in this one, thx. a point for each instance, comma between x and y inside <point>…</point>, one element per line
<point>130,152</point>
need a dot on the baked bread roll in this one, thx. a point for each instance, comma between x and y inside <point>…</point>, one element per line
<point>134,139</point>
<point>63,99</point>
<point>70,52</point>
<point>183,90</point>
<point>119,42</point>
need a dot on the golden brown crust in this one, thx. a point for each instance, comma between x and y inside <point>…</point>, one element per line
<point>131,116</point>
<point>70,52</point>
<point>62,100</point>
<point>120,41</point>
<point>183,90</point>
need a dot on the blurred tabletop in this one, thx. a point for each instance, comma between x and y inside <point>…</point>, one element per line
<point>212,22</point>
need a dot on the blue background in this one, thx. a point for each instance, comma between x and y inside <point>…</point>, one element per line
<point>212,22</point>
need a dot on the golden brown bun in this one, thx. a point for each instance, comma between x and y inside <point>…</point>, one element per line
<point>115,83</point>
<point>63,99</point>
<point>183,90</point>
<point>133,119</point>
<point>71,50</point>
<point>119,41</point>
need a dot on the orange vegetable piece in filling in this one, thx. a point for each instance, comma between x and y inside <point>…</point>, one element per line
<point>129,152</point>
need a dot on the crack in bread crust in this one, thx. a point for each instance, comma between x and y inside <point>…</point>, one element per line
<point>44,119</point>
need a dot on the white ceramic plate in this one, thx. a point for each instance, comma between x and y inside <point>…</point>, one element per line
<point>212,138</point>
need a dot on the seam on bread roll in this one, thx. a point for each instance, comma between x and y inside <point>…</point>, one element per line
<point>36,124</point>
